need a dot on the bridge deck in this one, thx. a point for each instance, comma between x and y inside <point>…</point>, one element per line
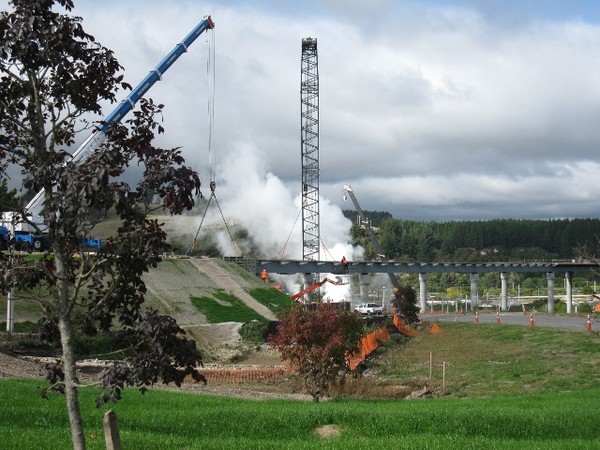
<point>366,267</point>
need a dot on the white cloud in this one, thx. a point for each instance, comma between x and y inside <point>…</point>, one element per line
<point>436,110</point>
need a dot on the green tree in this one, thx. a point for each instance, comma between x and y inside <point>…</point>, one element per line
<point>52,76</point>
<point>317,342</point>
<point>453,292</point>
<point>390,236</point>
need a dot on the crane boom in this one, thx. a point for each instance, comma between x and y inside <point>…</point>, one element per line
<point>34,207</point>
<point>365,222</point>
<point>314,286</point>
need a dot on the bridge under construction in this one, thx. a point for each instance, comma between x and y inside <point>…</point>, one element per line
<point>364,268</point>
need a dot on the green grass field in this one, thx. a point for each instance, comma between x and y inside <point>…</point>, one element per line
<point>511,388</point>
<point>487,359</point>
<point>173,420</point>
<point>224,307</point>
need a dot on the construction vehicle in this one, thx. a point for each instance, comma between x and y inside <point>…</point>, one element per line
<point>31,228</point>
<point>4,237</point>
<point>314,286</point>
<point>363,220</point>
<point>24,236</point>
<point>20,233</point>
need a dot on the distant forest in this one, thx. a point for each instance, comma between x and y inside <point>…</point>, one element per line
<point>491,240</point>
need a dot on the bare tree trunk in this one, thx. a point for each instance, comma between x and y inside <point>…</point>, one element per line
<point>71,385</point>
<point>66,334</point>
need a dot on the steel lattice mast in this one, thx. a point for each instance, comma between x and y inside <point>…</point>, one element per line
<point>309,96</point>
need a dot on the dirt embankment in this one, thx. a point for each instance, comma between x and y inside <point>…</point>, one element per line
<point>172,284</point>
<point>170,287</point>
<point>228,280</point>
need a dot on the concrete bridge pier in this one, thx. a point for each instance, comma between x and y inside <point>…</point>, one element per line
<point>423,291</point>
<point>474,290</point>
<point>550,278</point>
<point>364,287</point>
<point>504,291</point>
<point>569,286</point>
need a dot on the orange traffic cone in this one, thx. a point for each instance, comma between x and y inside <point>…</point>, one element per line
<point>497,317</point>
<point>524,311</point>
<point>476,316</point>
<point>531,321</point>
<point>588,324</point>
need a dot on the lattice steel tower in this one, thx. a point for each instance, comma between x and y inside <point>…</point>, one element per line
<point>309,99</point>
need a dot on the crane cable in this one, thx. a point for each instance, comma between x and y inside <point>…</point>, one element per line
<point>281,252</point>
<point>326,250</point>
<point>210,70</point>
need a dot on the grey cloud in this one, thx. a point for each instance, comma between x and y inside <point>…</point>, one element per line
<point>438,110</point>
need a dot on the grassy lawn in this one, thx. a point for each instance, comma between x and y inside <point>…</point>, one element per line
<point>174,420</point>
<point>512,387</point>
<point>487,359</point>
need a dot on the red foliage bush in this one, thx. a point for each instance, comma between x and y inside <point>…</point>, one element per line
<point>316,343</point>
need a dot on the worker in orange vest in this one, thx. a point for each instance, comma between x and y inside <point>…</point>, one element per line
<point>345,263</point>
<point>264,276</point>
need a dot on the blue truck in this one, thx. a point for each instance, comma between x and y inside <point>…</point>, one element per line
<point>38,242</point>
<point>3,238</point>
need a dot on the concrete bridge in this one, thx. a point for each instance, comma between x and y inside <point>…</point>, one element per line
<point>364,268</point>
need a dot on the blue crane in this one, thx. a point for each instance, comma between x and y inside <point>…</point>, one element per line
<point>20,230</point>
<point>34,207</point>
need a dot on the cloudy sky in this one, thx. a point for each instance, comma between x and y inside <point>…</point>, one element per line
<point>436,110</point>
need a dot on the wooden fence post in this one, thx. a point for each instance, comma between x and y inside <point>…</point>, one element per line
<point>444,378</point>
<point>111,431</point>
<point>430,365</point>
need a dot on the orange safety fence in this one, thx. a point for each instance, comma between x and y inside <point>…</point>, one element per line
<point>367,345</point>
<point>246,374</point>
<point>403,327</point>
<point>371,342</point>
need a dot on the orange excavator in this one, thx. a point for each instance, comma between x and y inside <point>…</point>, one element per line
<point>314,286</point>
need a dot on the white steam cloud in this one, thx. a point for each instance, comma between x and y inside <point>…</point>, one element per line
<point>251,196</point>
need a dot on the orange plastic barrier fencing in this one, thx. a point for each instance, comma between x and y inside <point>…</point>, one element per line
<point>367,345</point>
<point>402,327</point>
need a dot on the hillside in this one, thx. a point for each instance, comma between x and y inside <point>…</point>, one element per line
<point>172,286</point>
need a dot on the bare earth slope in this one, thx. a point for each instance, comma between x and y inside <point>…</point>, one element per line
<point>169,288</point>
<point>228,281</point>
<point>174,281</point>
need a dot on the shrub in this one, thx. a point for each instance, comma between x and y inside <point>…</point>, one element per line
<point>316,342</point>
<point>405,302</point>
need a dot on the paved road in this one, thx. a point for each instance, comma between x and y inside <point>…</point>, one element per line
<point>571,322</point>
